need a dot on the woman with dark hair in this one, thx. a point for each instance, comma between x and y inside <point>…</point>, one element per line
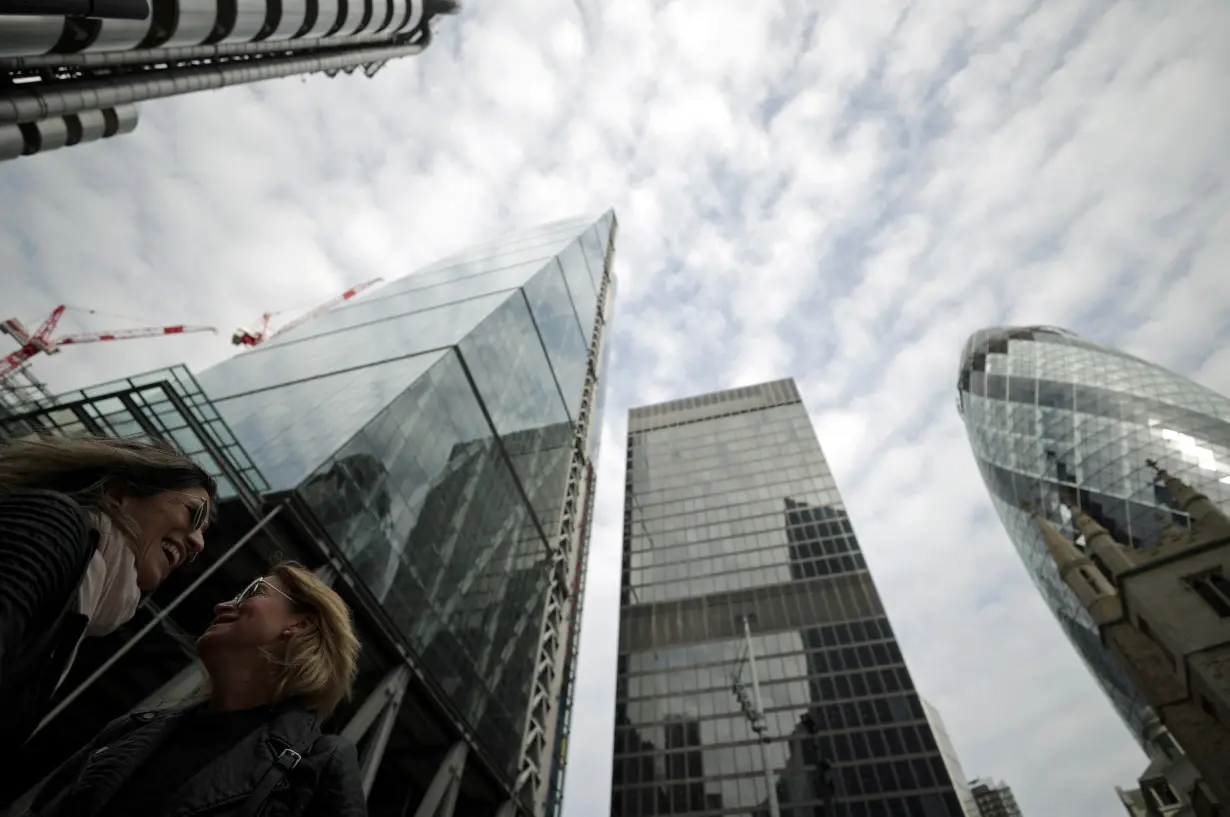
<point>278,658</point>
<point>87,528</point>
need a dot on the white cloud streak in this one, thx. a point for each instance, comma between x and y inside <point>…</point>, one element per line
<point>840,193</point>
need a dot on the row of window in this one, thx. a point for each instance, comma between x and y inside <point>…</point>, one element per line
<point>654,722</point>
<point>791,417</point>
<point>784,670</point>
<point>759,550</point>
<point>941,804</point>
<point>784,607</point>
<point>754,452</point>
<point>885,777</point>
<point>879,743</point>
<point>794,482</point>
<point>645,547</point>
<point>745,515</point>
<point>772,469</point>
<point>717,575</point>
<point>767,645</point>
<point>728,506</point>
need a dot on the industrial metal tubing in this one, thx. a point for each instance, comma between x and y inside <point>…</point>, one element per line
<point>99,9</point>
<point>57,132</point>
<point>99,59</point>
<point>31,104</point>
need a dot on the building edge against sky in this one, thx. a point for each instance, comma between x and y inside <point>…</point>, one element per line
<point>1054,418</point>
<point>434,445</point>
<point>64,88</point>
<point>951,760</point>
<point>736,544</point>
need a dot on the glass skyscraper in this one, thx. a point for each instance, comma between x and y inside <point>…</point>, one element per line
<point>430,450</point>
<point>1053,419</point>
<point>733,524</point>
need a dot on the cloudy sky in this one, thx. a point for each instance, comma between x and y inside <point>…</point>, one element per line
<point>840,196</point>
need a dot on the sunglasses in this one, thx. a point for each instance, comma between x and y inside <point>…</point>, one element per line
<point>198,511</point>
<point>259,587</point>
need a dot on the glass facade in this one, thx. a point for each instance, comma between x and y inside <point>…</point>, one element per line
<point>731,515</point>
<point>166,404</point>
<point>429,428</point>
<point>1053,418</point>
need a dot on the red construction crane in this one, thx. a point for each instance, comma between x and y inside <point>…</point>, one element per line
<point>41,340</point>
<point>255,337</point>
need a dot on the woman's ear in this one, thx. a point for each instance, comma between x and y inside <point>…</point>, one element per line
<point>300,625</point>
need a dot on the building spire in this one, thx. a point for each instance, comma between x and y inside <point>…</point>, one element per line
<point>1207,518</point>
<point>1095,592</point>
<point>1114,557</point>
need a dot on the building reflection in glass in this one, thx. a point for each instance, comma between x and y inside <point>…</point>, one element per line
<point>1054,418</point>
<point>731,510</point>
<point>428,428</point>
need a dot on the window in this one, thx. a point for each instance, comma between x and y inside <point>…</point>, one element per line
<point>1162,794</point>
<point>1213,587</point>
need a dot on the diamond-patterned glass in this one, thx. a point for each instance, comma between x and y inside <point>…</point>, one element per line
<point>1053,418</point>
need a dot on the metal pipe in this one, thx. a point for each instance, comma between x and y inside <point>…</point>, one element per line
<point>766,761</point>
<point>98,9</point>
<point>30,104</point>
<point>373,753</point>
<point>30,139</point>
<point>162,614</point>
<point>186,52</point>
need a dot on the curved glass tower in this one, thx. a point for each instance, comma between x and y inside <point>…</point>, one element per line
<point>1052,417</point>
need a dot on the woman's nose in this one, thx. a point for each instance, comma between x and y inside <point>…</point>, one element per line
<point>222,607</point>
<point>195,542</point>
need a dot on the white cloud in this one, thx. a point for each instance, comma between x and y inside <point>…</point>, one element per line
<point>838,193</point>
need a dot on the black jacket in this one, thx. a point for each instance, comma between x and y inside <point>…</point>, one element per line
<point>325,783</point>
<point>45,547</point>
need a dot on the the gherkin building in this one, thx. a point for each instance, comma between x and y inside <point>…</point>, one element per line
<point>1054,418</point>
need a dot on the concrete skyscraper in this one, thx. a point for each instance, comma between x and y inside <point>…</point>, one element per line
<point>430,448</point>
<point>1058,421</point>
<point>953,763</point>
<point>71,71</point>
<point>757,670</point>
<point>994,799</point>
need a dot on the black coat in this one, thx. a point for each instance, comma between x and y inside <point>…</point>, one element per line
<point>325,783</point>
<point>46,543</point>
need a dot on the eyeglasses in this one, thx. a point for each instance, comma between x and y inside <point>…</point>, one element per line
<point>256,588</point>
<point>198,511</point>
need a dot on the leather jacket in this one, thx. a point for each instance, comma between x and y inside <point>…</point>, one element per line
<point>324,781</point>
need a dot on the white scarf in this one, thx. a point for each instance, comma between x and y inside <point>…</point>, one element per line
<point>109,595</point>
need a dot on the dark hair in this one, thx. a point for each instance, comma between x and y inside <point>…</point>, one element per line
<point>86,468</point>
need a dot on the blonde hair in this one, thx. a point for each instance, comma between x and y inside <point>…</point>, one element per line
<point>86,468</point>
<point>321,662</point>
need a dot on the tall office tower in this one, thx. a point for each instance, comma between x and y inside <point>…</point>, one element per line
<point>432,448</point>
<point>747,610</point>
<point>994,799</point>
<point>71,70</point>
<point>951,762</point>
<point>1054,419</point>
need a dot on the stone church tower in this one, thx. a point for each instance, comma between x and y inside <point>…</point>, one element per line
<point>1165,614</point>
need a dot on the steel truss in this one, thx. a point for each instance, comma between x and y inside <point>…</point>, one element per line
<point>533,784</point>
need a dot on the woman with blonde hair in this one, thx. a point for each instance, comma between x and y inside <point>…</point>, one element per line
<point>279,657</point>
<point>88,528</point>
